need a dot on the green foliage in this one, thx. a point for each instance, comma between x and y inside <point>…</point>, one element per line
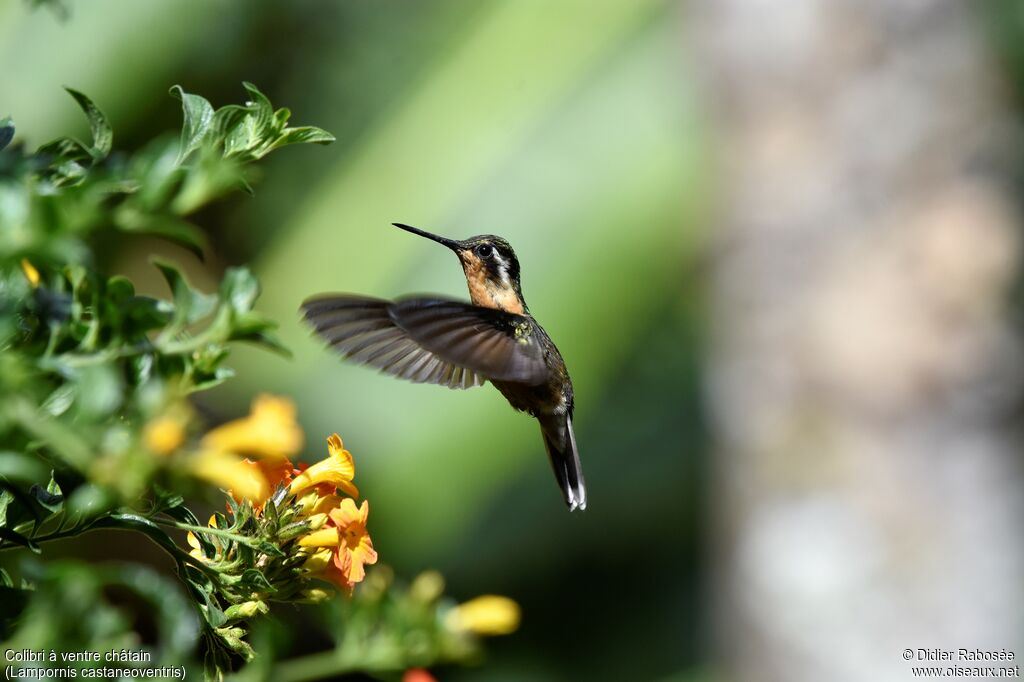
<point>86,360</point>
<point>90,621</point>
<point>86,363</point>
<point>51,199</point>
<point>386,626</point>
<point>96,427</point>
<point>246,132</point>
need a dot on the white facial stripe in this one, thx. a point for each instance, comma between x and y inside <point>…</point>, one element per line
<point>502,267</point>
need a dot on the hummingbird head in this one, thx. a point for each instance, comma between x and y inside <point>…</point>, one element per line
<point>491,268</point>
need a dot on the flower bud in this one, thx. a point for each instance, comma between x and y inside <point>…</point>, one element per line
<point>305,504</point>
<point>318,560</point>
<point>247,609</point>
<point>317,521</point>
<point>487,615</point>
<point>315,595</point>
<point>232,637</point>
<point>427,587</point>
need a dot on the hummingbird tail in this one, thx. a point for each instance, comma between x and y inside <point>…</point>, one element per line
<point>560,442</point>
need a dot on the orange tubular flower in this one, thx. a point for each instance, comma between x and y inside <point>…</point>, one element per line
<point>348,542</point>
<point>276,471</point>
<point>243,479</point>
<point>269,435</point>
<point>270,431</point>
<point>165,434</point>
<point>337,471</point>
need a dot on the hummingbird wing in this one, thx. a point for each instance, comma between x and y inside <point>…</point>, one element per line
<point>430,340</point>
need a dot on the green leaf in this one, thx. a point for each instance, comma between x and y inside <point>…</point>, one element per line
<point>255,579</point>
<point>5,501</point>
<point>263,111</point>
<point>242,138</point>
<point>87,503</point>
<point>177,511</point>
<point>99,390</point>
<point>17,466</point>
<point>219,376</point>
<point>146,313</point>
<point>60,400</point>
<point>255,328</point>
<point>304,135</point>
<point>240,289</point>
<point>217,658</point>
<point>8,535</point>
<point>62,440</point>
<point>67,161</point>
<point>120,289</point>
<point>172,228</point>
<point>102,133</point>
<point>226,118</point>
<point>64,149</point>
<point>270,515</point>
<point>198,118</point>
<point>23,511</point>
<point>252,131</point>
<point>189,305</point>
<point>293,530</point>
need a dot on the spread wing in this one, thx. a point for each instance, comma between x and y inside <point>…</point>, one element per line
<point>430,340</point>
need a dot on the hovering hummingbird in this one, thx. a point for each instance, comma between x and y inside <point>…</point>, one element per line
<point>462,345</point>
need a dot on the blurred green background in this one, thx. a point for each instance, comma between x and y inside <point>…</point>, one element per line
<point>567,128</point>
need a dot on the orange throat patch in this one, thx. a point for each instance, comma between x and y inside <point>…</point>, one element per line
<point>485,292</point>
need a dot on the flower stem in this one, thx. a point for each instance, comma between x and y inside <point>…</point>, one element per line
<point>219,532</point>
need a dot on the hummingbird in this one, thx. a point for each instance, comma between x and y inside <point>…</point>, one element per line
<point>462,345</point>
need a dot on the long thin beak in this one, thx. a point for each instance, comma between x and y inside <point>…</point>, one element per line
<point>450,243</point>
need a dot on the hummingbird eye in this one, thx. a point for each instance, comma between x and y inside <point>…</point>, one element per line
<point>485,250</point>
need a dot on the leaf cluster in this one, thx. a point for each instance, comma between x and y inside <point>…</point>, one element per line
<point>227,584</point>
<point>85,361</point>
<point>67,189</point>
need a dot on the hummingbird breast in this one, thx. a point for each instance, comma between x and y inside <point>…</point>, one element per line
<point>543,399</point>
<point>552,396</point>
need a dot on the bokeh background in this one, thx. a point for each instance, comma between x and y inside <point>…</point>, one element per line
<point>777,244</point>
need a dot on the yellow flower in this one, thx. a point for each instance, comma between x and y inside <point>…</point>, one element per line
<point>319,561</point>
<point>193,541</point>
<point>347,541</point>
<point>276,471</point>
<point>486,615</point>
<point>336,471</point>
<point>232,473</point>
<point>30,272</point>
<point>163,435</point>
<point>323,505</point>
<point>270,431</point>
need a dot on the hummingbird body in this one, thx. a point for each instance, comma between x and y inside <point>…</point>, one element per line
<point>460,345</point>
